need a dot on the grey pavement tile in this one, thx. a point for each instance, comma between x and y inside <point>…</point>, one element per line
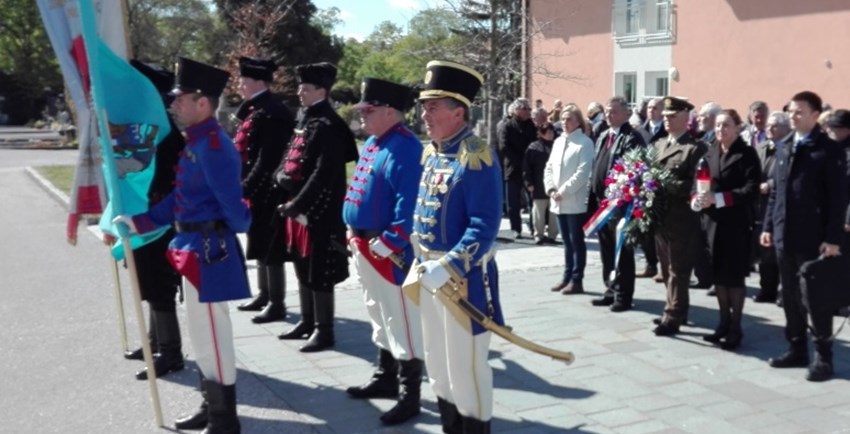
<point>785,427</point>
<point>745,391</point>
<point>755,420</point>
<point>711,425</point>
<point>825,420</point>
<point>617,387</point>
<point>627,345</point>
<point>644,427</point>
<point>618,417</point>
<point>801,389</point>
<point>653,401</point>
<point>675,416</point>
<point>594,403</point>
<point>729,409</point>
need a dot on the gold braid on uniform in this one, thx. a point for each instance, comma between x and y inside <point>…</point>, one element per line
<point>474,151</point>
<point>427,151</point>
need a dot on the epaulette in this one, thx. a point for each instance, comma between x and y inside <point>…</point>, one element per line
<point>427,151</point>
<point>473,151</point>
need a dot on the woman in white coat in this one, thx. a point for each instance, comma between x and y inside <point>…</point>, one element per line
<point>567,181</point>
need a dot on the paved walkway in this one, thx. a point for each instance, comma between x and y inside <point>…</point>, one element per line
<point>64,371</point>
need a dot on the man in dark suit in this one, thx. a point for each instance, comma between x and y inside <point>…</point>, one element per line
<point>613,144</point>
<point>264,130</point>
<point>654,125</point>
<point>779,135</point>
<point>677,235</point>
<point>596,119</point>
<point>515,134</point>
<point>654,130</point>
<point>804,220</point>
<point>706,120</point>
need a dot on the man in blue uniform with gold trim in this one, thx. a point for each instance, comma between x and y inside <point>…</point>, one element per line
<point>456,220</point>
<point>207,210</point>
<point>378,211</point>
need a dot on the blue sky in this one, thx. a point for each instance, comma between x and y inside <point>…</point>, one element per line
<point>361,16</point>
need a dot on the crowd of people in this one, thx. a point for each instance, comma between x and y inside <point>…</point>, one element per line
<point>420,222</point>
<point>777,201</point>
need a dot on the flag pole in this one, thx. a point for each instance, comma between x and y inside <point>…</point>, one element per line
<point>90,41</point>
<point>137,295</point>
<point>119,301</point>
<point>127,37</point>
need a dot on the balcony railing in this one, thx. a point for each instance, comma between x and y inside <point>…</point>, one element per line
<point>637,22</point>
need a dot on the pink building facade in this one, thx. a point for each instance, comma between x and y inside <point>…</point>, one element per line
<point>729,51</point>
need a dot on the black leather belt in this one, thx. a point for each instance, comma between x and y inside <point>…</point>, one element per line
<point>204,226</point>
<point>364,233</point>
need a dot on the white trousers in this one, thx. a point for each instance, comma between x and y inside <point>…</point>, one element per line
<point>456,360</point>
<point>211,334</point>
<point>396,323</point>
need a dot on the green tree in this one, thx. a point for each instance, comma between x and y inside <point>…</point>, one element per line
<point>288,33</point>
<point>161,30</point>
<point>26,60</point>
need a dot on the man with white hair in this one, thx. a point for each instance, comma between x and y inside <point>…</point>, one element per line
<point>706,119</point>
<point>778,134</point>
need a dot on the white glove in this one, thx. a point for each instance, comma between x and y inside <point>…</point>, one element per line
<point>127,221</point>
<point>379,249</point>
<point>435,275</point>
<point>302,219</point>
<point>696,204</point>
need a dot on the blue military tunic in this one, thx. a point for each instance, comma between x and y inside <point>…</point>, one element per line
<point>208,190</point>
<point>458,213</point>
<point>382,192</point>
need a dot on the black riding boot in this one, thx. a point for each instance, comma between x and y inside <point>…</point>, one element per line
<point>276,309</point>
<point>475,426</point>
<point>323,336</point>
<point>384,382</point>
<point>222,409</point>
<point>170,358</point>
<point>410,376</point>
<point>137,353</point>
<point>262,298</point>
<point>198,419</point>
<point>821,367</point>
<point>449,416</point>
<point>304,327</point>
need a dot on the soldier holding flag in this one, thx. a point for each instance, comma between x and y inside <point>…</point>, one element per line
<point>207,210</point>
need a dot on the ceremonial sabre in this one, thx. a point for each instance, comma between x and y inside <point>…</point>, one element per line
<point>453,296</point>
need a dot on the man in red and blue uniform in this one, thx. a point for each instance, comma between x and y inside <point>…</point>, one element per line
<point>207,211</point>
<point>378,211</point>
<point>457,217</point>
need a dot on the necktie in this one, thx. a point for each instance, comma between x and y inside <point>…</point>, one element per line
<point>610,140</point>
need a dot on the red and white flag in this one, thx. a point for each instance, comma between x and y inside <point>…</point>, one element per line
<point>62,21</point>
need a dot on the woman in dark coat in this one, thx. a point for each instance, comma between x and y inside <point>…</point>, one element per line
<point>729,208</point>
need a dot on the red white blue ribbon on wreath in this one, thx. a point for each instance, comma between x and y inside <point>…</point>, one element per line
<point>600,218</point>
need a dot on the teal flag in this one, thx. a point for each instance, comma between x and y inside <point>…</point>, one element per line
<point>131,122</point>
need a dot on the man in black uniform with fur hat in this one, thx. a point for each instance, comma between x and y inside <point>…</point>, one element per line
<point>158,281</point>
<point>265,128</point>
<point>313,176</point>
